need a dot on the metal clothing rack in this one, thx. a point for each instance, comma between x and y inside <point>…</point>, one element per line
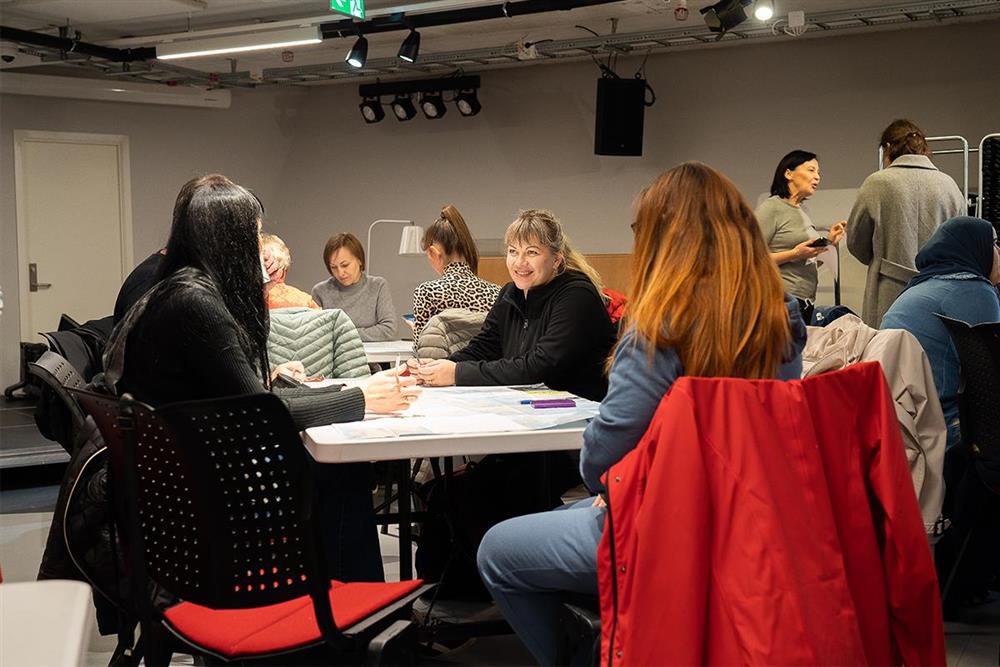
<point>986,181</point>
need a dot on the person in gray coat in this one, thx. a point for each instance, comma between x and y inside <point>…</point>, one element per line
<point>897,211</point>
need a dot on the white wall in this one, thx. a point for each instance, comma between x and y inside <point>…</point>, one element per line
<point>320,169</point>
<point>168,145</point>
<point>739,109</point>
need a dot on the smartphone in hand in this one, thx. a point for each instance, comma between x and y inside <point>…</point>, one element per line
<point>821,242</point>
<point>286,381</point>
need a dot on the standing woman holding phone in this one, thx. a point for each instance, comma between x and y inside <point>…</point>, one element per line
<point>789,233</point>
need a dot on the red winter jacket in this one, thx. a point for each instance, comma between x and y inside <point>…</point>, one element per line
<point>769,523</point>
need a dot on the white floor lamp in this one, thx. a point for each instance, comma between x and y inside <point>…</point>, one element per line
<point>409,241</point>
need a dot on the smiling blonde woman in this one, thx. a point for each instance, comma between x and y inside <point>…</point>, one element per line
<point>549,324</point>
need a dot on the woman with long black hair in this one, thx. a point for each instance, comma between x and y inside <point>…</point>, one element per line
<point>201,333</point>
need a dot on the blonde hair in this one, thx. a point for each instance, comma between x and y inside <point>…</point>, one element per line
<point>278,249</point>
<point>537,225</point>
<point>703,282</point>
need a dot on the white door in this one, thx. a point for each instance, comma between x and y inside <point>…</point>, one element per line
<point>74,225</point>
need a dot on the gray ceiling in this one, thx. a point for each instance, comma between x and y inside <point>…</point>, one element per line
<point>638,26</point>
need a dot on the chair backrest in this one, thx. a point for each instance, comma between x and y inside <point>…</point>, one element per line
<point>448,332</point>
<point>72,347</point>
<point>224,494</point>
<point>325,341</point>
<point>56,370</point>
<point>978,350</point>
<point>58,375</point>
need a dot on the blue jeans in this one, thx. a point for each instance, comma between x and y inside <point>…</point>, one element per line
<point>528,562</point>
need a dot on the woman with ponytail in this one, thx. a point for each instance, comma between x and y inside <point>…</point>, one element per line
<point>706,300</point>
<point>452,254</point>
<point>549,324</point>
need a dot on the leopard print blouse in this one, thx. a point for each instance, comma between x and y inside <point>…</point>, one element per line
<point>458,287</point>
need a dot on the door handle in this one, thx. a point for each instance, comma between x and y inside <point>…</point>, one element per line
<point>33,284</point>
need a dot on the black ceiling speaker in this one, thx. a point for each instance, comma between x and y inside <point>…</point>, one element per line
<point>621,104</point>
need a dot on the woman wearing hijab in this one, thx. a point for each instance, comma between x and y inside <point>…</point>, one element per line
<point>958,270</point>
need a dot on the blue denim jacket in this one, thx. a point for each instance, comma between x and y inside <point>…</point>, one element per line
<point>961,296</point>
<point>635,388</point>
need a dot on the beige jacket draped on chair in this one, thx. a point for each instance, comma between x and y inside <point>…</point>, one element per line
<point>847,340</point>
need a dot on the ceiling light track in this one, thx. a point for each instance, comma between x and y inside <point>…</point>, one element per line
<point>414,86</point>
<point>350,28</point>
<point>66,44</point>
<point>431,101</point>
<point>575,48</point>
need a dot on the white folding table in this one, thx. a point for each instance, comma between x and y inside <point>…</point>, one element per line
<point>360,442</point>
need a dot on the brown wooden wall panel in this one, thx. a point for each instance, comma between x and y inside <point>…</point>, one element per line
<point>614,269</point>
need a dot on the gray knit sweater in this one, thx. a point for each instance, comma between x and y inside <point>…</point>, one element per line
<point>784,226</point>
<point>897,211</point>
<point>367,302</point>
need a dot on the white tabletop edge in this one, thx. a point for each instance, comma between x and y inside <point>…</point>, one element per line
<point>469,444</point>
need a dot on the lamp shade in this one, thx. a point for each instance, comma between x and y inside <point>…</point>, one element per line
<point>411,240</point>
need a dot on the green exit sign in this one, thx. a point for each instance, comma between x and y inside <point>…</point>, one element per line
<point>355,8</point>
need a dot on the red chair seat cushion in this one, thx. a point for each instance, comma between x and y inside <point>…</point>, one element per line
<point>236,633</point>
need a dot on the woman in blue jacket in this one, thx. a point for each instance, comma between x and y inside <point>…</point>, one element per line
<point>706,300</point>
<point>958,270</point>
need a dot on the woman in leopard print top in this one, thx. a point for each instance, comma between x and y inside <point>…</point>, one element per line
<point>453,255</point>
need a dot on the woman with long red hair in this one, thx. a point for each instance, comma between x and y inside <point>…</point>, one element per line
<point>706,300</point>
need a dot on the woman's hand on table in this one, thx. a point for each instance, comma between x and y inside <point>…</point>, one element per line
<point>293,369</point>
<point>436,373</point>
<point>389,392</point>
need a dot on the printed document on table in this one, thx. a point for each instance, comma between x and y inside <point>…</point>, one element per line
<point>461,410</point>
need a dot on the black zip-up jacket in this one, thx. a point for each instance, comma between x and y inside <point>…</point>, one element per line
<point>560,335</point>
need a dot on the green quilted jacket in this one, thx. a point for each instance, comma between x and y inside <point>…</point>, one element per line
<point>325,341</point>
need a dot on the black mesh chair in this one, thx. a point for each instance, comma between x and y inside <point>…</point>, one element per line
<point>57,414</point>
<point>966,557</point>
<point>214,502</point>
<point>978,350</point>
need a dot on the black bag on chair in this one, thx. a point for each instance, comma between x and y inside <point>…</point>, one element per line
<point>479,495</point>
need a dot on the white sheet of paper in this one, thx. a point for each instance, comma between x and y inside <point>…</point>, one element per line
<point>460,410</point>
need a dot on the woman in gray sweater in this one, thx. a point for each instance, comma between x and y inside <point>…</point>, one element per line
<point>365,299</point>
<point>789,233</point>
<point>897,211</point>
